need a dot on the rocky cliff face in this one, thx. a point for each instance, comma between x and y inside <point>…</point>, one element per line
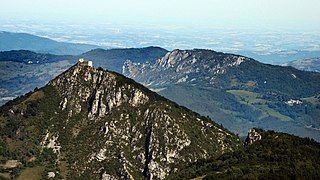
<point>183,66</point>
<point>252,137</point>
<point>106,126</point>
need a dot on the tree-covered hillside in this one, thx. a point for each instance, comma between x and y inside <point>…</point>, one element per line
<point>275,156</point>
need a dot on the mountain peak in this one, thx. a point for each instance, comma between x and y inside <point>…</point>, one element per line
<point>83,83</point>
<point>123,129</point>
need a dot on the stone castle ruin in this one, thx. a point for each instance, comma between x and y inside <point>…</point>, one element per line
<point>86,63</point>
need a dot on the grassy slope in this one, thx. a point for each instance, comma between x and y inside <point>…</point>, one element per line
<point>252,99</point>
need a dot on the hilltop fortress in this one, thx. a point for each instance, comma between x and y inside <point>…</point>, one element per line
<point>86,63</point>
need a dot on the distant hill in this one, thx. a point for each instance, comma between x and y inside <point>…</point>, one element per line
<point>279,57</point>
<point>29,57</point>
<point>21,71</point>
<point>236,91</point>
<point>23,41</point>
<point>311,64</point>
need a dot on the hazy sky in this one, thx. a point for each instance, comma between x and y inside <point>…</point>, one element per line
<point>212,13</point>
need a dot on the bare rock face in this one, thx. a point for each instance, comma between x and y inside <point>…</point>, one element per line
<point>252,137</point>
<point>180,66</point>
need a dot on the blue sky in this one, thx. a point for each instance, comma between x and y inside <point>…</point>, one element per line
<point>210,13</point>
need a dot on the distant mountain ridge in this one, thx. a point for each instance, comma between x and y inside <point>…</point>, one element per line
<point>279,57</point>
<point>238,91</point>
<point>30,57</point>
<point>310,64</point>
<point>24,41</point>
